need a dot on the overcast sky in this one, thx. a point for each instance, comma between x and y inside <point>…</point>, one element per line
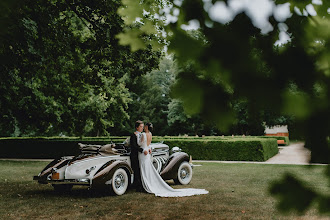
<point>259,12</point>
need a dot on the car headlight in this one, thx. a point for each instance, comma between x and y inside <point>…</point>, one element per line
<point>175,149</point>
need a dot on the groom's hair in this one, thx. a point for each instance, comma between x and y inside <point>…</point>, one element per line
<point>137,123</point>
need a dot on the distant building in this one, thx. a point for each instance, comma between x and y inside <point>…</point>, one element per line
<point>277,130</point>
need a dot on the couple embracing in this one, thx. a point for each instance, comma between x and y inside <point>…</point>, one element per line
<point>146,177</point>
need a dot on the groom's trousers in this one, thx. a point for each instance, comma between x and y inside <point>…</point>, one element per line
<point>137,184</point>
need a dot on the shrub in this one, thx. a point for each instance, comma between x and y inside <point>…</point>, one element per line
<point>44,147</point>
<point>254,149</point>
<point>159,138</point>
<point>210,148</point>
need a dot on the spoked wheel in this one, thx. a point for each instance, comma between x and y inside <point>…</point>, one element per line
<point>184,174</point>
<point>119,182</point>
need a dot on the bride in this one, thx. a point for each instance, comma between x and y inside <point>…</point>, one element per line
<point>151,180</point>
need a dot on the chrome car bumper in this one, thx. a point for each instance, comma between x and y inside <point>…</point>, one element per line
<point>64,181</point>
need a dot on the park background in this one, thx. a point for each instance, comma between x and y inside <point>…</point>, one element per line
<point>91,68</point>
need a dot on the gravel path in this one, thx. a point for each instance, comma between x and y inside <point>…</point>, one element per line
<point>292,154</point>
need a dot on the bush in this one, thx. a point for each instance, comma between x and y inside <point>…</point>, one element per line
<point>206,148</point>
<point>256,149</point>
<point>158,138</point>
<point>44,147</point>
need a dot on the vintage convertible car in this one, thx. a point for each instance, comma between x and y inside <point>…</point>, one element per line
<point>109,167</point>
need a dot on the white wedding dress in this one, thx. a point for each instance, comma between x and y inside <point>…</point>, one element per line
<point>153,183</point>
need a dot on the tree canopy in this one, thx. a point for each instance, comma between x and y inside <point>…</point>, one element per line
<point>62,68</point>
<point>64,73</point>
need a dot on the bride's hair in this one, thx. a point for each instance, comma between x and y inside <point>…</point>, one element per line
<point>150,126</point>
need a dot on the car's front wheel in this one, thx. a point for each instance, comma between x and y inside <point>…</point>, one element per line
<point>184,174</point>
<point>119,182</point>
<point>157,164</point>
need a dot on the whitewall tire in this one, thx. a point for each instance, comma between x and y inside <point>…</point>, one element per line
<point>184,174</point>
<point>119,182</point>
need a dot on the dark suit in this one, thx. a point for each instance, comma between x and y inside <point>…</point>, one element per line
<point>135,150</point>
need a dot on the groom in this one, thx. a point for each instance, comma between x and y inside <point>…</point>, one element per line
<point>135,149</point>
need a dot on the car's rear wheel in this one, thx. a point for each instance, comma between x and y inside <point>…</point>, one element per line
<point>62,187</point>
<point>184,174</point>
<point>119,182</point>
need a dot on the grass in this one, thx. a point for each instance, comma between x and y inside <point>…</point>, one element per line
<point>237,191</point>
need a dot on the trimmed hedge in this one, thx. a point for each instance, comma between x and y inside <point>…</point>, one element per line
<point>286,139</point>
<point>206,148</point>
<point>44,147</point>
<point>257,149</point>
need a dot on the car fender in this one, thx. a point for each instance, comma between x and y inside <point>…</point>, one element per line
<point>170,170</point>
<point>55,164</point>
<point>104,175</point>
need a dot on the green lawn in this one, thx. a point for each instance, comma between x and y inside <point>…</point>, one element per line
<point>237,191</point>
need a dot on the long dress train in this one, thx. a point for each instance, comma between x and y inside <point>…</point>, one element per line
<point>153,183</point>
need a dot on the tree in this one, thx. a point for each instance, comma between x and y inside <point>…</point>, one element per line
<point>249,124</point>
<point>235,60</point>
<point>63,70</point>
<point>150,98</point>
<point>180,123</point>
